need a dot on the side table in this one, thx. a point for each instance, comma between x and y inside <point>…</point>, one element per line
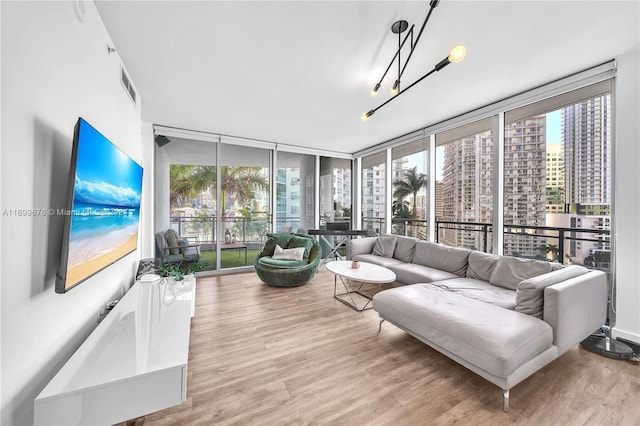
<point>367,273</point>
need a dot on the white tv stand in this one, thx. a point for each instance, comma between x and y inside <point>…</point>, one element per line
<point>134,363</point>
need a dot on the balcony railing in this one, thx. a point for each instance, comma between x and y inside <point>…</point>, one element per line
<point>203,229</point>
<point>288,224</point>
<point>557,244</point>
<point>400,226</point>
<point>410,227</point>
<point>375,225</point>
<point>540,242</point>
<point>482,230</point>
<point>544,242</point>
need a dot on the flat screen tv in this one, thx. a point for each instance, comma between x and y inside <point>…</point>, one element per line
<point>103,207</point>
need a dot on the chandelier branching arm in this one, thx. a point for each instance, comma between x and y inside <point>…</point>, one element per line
<point>457,54</point>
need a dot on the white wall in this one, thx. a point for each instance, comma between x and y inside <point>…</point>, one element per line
<point>55,67</point>
<point>627,196</point>
<point>147,210</point>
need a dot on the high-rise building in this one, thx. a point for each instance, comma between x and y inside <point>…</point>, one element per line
<point>288,196</point>
<point>465,194</point>
<point>467,179</point>
<point>373,195</point>
<point>439,207</point>
<point>586,132</point>
<point>555,179</point>
<point>525,184</point>
<point>587,141</point>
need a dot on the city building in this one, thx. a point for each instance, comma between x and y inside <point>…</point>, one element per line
<point>555,179</point>
<point>466,188</point>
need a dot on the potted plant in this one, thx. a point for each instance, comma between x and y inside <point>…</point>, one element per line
<point>172,272</point>
<point>178,274</point>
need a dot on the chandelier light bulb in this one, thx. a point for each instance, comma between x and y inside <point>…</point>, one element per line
<point>395,89</point>
<point>374,91</point>
<point>457,54</point>
<point>365,115</point>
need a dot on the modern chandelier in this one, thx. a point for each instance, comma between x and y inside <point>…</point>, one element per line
<point>457,54</point>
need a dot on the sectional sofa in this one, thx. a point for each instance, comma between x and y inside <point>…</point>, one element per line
<point>502,317</point>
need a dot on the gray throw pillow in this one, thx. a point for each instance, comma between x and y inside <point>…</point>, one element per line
<point>510,271</point>
<point>443,257</point>
<point>172,241</point>
<point>183,243</point>
<point>385,246</point>
<point>481,265</point>
<point>530,293</point>
<point>405,246</point>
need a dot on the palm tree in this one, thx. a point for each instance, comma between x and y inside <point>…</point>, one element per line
<point>242,183</point>
<point>180,186</point>
<point>401,213</point>
<point>400,208</point>
<point>236,181</point>
<point>547,249</point>
<point>410,184</point>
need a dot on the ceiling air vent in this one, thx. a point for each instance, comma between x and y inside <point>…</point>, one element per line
<point>126,82</point>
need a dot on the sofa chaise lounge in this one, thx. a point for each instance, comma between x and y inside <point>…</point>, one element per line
<point>502,317</point>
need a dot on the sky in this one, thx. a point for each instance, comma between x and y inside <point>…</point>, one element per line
<point>553,127</point>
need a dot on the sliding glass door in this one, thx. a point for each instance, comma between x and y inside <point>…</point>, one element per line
<point>215,196</point>
<point>409,189</point>
<point>373,202</point>
<point>335,190</point>
<point>295,192</point>
<point>464,186</point>
<point>558,178</point>
<point>244,204</point>
<point>186,196</point>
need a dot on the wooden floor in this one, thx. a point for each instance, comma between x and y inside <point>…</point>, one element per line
<point>274,356</point>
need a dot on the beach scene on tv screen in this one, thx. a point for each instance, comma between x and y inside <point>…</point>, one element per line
<point>106,206</point>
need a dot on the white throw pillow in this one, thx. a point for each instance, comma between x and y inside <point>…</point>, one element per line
<point>288,254</point>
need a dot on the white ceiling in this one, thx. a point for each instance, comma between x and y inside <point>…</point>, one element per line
<point>300,72</point>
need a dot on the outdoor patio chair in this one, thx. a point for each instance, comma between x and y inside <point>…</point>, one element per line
<point>173,250</point>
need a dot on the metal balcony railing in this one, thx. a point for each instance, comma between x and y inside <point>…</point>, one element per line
<point>548,242</point>
<point>203,229</point>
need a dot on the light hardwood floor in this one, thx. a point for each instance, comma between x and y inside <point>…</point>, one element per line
<point>276,356</point>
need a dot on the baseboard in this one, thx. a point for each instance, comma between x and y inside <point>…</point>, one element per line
<point>634,338</point>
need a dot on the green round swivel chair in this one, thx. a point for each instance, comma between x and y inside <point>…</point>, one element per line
<point>287,273</point>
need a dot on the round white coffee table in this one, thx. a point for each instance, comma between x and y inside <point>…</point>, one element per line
<point>354,279</point>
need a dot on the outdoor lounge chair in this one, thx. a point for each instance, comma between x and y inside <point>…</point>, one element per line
<point>173,250</point>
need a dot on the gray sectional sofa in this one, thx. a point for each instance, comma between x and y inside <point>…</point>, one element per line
<point>502,317</point>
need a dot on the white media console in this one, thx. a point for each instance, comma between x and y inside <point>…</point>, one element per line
<point>134,363</point>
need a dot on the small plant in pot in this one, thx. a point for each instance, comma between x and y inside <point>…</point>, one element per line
<point>179,274</point>
<point>172,271</point>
